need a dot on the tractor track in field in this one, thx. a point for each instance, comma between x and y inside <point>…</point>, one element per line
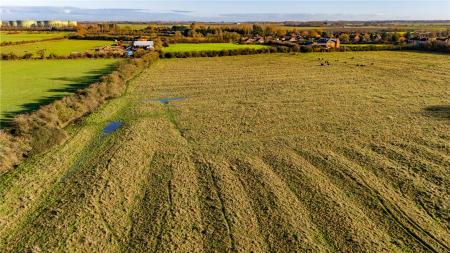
<point>398,216</point>
<point>222,207</point>
<point>109,226</point>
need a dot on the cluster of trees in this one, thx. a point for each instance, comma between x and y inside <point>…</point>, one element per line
<point>37,131</point>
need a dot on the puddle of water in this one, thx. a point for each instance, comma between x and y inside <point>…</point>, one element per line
<point>112,126</point>
<point>165,100</point>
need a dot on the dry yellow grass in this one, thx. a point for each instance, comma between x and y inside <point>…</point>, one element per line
<point>265,153</point>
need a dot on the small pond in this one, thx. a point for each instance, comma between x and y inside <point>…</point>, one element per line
<point>112,126</point>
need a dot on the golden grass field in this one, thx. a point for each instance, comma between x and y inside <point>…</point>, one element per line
<point>266,153</point>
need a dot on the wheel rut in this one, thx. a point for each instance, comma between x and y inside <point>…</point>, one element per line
<point>388,198</point>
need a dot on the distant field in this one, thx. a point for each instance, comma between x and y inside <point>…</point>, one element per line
<point>58,47</point>
<point>133,26</point>
<point>189,47</point>
<point>26,36</point>
<point>26,84</point>
<point>429,27</point>
<point>260,153</point>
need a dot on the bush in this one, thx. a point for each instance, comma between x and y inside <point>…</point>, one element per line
<point>27,56</point>
<point>306,49</point>
<point>9,56</point>
<point>168,55</point>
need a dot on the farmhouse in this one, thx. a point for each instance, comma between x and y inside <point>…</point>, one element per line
<point>146,44</point>
<point>328,42</point>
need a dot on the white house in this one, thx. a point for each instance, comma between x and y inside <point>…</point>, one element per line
<point>147,44</point>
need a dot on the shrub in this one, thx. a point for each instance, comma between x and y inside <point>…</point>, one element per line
<point>306,49</point>
<point>27,56</point>
<point>52,56</point>
<point>9,56</point>
<point>168,55</point>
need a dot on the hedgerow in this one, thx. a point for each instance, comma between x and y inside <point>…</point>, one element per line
<point>295,48</point>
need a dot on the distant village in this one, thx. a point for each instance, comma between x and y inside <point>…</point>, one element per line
<point>332,42</point>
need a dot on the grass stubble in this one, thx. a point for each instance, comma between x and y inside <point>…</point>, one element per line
<point>265,153</point>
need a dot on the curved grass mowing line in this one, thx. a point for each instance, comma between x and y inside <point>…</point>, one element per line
<point>190,47</point>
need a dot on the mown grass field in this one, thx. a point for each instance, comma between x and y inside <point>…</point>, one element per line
<point>133,26</point>
<point>266,153</point>
<point>398,27</point>
<point>57,47</point>
<point>27,84</point>
<point>28,36</point>
<point>191,47</point>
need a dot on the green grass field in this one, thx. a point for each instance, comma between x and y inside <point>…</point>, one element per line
<point>390,27</point>
<point>265,153</point>
<point>189,47</point>
<point>28,36</point>
<point>27,84</point>
<point>58,47</point>
<point>133,26</point>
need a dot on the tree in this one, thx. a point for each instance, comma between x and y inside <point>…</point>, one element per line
<point>257,30</point>
<point>408,35</point>
<point>178,36</point>
<point>344,38</point>
<point>41,53</point>
<point>81,30</point>
<point>395,38</point>
<point>268,30</point>
<point>313,33</point>
<point>385,37</point>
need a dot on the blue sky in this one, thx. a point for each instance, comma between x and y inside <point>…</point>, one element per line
<point>252,10</point>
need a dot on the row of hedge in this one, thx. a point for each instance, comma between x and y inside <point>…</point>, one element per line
<point>37,131</point>
<point>103,37</point>
<point>273,49</point>
<point>10,43</point>
<point>85,55</point>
